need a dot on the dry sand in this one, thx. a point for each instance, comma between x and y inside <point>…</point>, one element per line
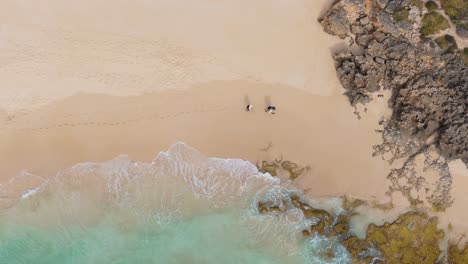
<point>90,80</point>
<point>56,48</point>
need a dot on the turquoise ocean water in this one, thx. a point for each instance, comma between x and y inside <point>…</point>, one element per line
<point>180,208</point>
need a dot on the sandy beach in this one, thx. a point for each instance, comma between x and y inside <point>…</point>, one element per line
<point>210,118</point>
<point>65,68</point>
<point>87,81</point>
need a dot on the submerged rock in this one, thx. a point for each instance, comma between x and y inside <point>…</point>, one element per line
<point>341,227</point>
<point>274,167</point>
<point>357,248</point>
<point>412,238</point>
<point>266,167</point>
<point>293,169</point>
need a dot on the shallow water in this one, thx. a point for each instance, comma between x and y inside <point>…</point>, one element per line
<point>180,208</point>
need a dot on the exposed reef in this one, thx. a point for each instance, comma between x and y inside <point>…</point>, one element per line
<point>280,166</point>
<point>409,47</point>
<point>428,80</point>
<point>412,238</point>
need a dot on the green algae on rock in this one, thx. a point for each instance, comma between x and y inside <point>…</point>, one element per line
<point>433,23</point>
<point>455,255</point>
<point>324,223</point>
<point>357,248</point>
<point>341,226</point>
<point>455,9</point>
<point>446,43</point>
<point>431,5</point>
<point>412,238</point>
<point>401,15</point>
<point>464,56</point>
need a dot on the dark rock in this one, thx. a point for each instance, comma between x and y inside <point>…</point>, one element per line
<point>382,3</point>
<point>336,23</point>
<point>356,29</point>
<point>386,25</point>
<point>462,31</point>
<point>363,40</point>
<point>429,88</point>
<point>364,21</point>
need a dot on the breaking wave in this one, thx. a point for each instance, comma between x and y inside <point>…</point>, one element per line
<point>180,208</point>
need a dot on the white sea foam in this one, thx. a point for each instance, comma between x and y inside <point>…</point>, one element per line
<point>177,184</point>
<point>28,193</point>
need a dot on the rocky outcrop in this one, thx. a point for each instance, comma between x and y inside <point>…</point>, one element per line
<point>429,86</point>
<point>457,10</point>
<point>414,237</point>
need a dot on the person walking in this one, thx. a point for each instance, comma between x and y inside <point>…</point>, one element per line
<point>271,109</point>
<point>249,108</point>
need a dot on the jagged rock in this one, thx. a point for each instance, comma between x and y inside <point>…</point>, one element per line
<point>357,248</point>
<point>341,226</point>
<point>413,238</point>
<point>386,25</point>
<point>339,18</point>
<point>336,23</point>
<point>462,31</point>
<point>429,87</point>
<point>363,40</point>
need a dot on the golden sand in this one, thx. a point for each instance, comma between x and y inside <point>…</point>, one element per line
<point>90,80</point>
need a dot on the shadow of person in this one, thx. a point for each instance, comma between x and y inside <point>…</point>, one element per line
<point>267,101</point>
<point>246,100</point>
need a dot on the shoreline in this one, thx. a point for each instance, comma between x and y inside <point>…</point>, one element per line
<point>90,95</point>
<point>214,121</point>
<point>210,118</point>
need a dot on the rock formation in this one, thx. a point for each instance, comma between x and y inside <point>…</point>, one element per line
<point>429,85</point>
<point>403,46</point>
<point>414,237</point>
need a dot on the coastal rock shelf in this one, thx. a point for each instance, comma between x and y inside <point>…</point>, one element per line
<point>429,86</point>
<point>279,167</point>
<point>410,48</point>
<point>413,237</point>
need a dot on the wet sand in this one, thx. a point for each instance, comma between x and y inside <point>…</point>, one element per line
<point>318,131</point>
